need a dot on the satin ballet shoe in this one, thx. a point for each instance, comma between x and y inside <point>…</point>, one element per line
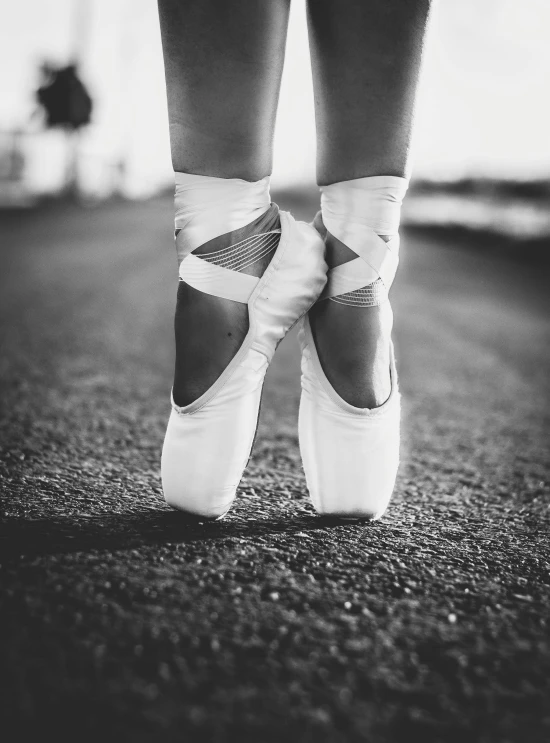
<point>350,455</point>
<point>208,442</point>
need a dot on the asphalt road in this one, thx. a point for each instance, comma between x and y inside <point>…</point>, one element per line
<point>120,620</point>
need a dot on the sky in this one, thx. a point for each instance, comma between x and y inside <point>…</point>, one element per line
<point>483,106</point>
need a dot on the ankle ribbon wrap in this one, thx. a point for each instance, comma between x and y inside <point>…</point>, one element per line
<point>357,212</point>
<point>241,211</point>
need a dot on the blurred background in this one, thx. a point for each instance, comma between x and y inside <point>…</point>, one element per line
<point>98,128</point>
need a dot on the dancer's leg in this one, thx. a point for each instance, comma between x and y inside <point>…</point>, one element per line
<point>223,64</point>
<point>366,58</point>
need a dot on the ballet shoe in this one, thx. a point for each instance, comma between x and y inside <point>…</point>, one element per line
<point>351,454</point>
<point>208,442</point>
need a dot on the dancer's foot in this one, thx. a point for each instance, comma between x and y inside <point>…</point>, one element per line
<point>350,404</point>
<point>209,329</point>
<point>209,440</point>
<point>353,343</point>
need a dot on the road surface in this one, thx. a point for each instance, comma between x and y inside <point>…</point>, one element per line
<point>120,620</point>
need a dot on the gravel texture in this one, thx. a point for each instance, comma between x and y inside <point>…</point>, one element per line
<point>122,620</point>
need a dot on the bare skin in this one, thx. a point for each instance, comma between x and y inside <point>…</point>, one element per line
<point>223,63</point>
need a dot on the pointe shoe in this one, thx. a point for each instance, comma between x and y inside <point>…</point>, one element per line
<point>208,442</point>
<point>350,455</point>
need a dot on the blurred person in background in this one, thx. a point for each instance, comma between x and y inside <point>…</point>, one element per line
<point>248,272</point>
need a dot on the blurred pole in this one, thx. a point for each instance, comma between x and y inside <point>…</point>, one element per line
<point>129,46</point>
<point>81,35</point>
